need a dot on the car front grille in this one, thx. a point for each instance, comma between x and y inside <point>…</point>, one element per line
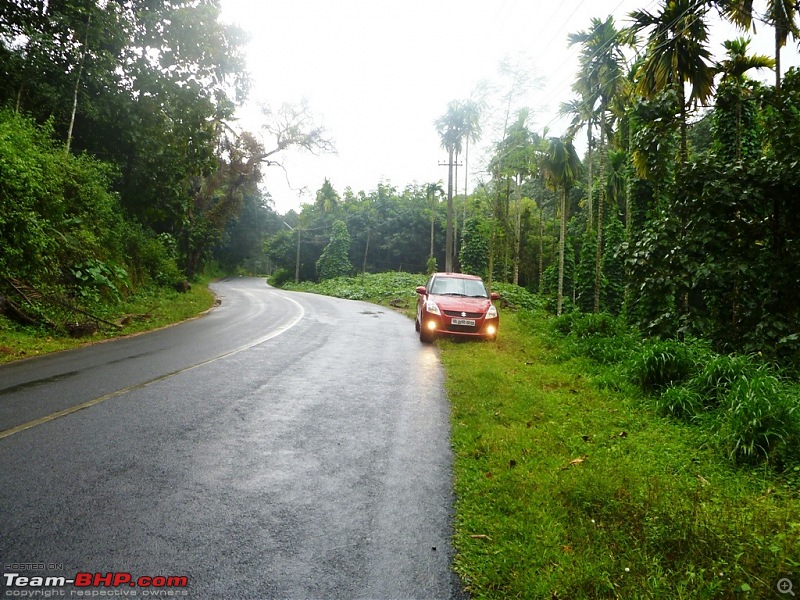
<point>469,315</point>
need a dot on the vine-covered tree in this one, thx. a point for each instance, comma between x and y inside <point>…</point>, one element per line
<point>335,261</point>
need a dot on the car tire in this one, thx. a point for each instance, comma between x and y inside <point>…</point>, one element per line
<point>424,336</point>
<point>416,325</point>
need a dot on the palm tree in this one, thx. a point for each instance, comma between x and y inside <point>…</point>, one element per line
<point>433,191</point>
<point>451,127</point>
<point>601,75</point>
<point>733,70</point>
<point>583,113</point>
<point>677,53</point>
<point>561,167</point>
<point>782,13</point>
<point>472,131</point>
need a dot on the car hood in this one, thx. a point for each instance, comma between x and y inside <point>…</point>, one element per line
<point>459,303</point>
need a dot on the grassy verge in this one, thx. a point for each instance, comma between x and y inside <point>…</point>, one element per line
<point>567,490</point>
<point>571,483</point>
<point>150,309</point>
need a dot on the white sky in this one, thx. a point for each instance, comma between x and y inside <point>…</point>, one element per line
<point>378,74</point>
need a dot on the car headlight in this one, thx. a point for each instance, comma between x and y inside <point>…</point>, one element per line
<point>491,313</point>
<point>431,307</point>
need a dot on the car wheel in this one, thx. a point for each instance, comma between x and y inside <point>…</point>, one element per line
<point>416,325</point>
<point>424,336</point>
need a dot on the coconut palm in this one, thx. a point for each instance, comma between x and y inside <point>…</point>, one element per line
<point>561,168</point>
<point>677,53</point>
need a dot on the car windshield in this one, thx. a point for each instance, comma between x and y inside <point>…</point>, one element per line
<point>456,286</point>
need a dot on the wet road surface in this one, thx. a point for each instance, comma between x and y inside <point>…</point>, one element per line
<point>284,446</point>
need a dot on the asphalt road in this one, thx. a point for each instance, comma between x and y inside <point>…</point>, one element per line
<point>283,446</point>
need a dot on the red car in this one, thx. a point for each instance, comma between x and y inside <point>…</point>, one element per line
<point>456,304</point>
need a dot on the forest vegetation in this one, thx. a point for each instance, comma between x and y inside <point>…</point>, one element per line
<point>662,265</point>
<point>120,168</point>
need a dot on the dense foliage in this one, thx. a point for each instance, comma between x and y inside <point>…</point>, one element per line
<point>118,169</point>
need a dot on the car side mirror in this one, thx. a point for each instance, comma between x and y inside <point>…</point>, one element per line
<point>495,296</point>
<point>421,290</point>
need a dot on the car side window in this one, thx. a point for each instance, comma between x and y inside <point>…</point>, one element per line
<point>429,285</point>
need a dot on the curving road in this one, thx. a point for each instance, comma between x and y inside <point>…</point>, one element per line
<point>283,446</point>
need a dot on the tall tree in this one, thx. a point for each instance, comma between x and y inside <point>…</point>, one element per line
<point>561,167</point>
<point>451,127</point>
<point>432,192</point>
<point>734,69</point>
<point>601,75</point>
<point>677,53</point>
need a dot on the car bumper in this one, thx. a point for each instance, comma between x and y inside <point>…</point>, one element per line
<point>441,326</point>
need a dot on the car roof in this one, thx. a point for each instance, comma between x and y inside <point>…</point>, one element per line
<point>458,276</point>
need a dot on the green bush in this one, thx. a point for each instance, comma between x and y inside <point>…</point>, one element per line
<point>280,277</point>
<point>681,402</point>
<point>563,325</point>
<point>334,261</point>
<point>760,420</point>
<point>431,266</point>
<point>662,363</point>
<point>517,297</point>
<point>719,374</point>
<point>603,324</point>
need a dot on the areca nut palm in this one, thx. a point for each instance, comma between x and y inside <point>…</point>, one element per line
<point>451,127</point>
<point>561,168</point>
<point>601,72</point>
<point>677,53</point>
<point>781,14</point>
<point>432,192</point>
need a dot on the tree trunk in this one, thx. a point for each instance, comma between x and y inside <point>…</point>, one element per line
<point>777,58</point>
<point>448,255</point>
<point>77,85</point>
<point>541,252</point>
<point>455,217</point>
<point>561,251</point>
<point>590,182</point>
<point>684,127</point>
<point>517,229</point>
<point>366,250</point>
<point>433,219</point>
<point>598,267</point>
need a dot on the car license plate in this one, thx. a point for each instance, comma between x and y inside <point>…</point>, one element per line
<point>466,322</point>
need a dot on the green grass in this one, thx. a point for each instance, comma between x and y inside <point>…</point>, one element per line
<point>570,482</point>
<point>393,288</point>
<point>566,490</point>
<point>150,309</point>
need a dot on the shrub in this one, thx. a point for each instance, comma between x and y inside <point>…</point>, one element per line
<point>760,421</point>
<point>430,266</point>
<point>563,325</point>
<point>279,278</point>
<point>588,324</point>
<point>517,297</point>
<point>663,363</point>
<point>681,402</point>
<point>719,374</point>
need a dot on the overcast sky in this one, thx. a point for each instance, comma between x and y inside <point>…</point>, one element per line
<point>377,74</point>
